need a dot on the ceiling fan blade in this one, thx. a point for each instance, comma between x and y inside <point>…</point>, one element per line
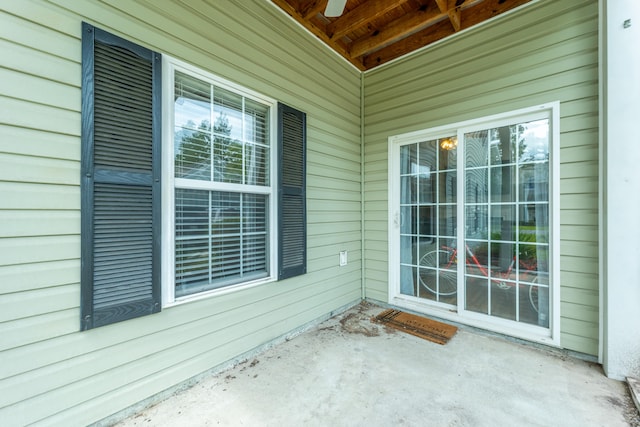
<point>334,8</point>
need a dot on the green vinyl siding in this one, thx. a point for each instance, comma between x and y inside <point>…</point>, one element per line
<point>51,372</point>
<point>540,53</point>
<point>54,374</point>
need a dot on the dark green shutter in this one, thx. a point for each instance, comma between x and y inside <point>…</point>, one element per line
<point>120,182</point>
<point>292,206</point>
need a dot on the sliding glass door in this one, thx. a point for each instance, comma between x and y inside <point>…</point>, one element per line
<point>472,214</point>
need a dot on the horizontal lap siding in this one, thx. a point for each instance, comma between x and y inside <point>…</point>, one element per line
<point>542,52</point>
<point>53,374</point>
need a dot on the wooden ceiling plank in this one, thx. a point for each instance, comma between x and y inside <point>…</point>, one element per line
<point>318,32</point>
<point>443,5</point>
<point>312,8</point>
<point>360,16</point>
<point>374,32</point>
<point>487,9</point>
<point>430,34</point>
<point>395,31</point>
<point>476,14</point>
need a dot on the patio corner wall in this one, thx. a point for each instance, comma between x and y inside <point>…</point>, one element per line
<point>542,52</point>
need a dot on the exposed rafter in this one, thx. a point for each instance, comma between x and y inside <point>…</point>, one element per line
<point>372,32</point>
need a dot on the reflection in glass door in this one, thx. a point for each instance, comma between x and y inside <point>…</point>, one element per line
<point>506,217</point>
<point>472,222</point>
<point>428,217</point>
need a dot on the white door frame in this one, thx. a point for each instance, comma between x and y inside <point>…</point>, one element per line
<point>550,336</point>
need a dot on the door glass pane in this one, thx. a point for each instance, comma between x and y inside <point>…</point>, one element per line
<point>503,184</point>
<point>408,157</point>
<point>507,222</point>
<point>503,222</point>
<point>476,149</point>
<point>447,187</point>
<point>428,157</point>
<point>428,210</point>
<point>534,182</point>
<point>502,145</point>
<point>477,186</point>
<point>448,154</point>
<point>448,221</point>
<point>427,187</point>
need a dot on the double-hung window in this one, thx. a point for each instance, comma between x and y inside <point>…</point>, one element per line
<point>190,184</point>
<point>219,185</point>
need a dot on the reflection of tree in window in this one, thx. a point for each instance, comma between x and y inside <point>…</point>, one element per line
<point>193,158</point>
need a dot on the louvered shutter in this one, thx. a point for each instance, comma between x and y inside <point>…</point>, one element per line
<point>292,230</point>
<point>120,182</point>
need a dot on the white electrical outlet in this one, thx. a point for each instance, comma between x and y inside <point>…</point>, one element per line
<point>343,258</point>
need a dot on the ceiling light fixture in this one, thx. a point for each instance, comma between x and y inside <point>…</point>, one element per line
<point>449,143</point>
<point>334,8</point>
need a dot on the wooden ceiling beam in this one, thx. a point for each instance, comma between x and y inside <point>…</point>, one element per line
<point>454,17</point>
<point>395,31</point>
<point>373,32</point>
<point>360,16</point>
<point>478,12</point>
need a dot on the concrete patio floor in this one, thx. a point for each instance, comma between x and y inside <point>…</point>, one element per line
<point>348,371</point>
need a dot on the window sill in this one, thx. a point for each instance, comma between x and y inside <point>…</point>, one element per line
<point>219,292</point>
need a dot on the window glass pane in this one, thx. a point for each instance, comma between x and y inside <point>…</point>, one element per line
<point>192,213</point>
<point>227,111</point>
<point>227,159</point>
<point>221,239</point>
<point>193,153</point>
<point>256,122</point>
<point>256,165</point>
<point>225,213</point>
<point>192,244</point>
<point>192,106</point>
<point>192,135</point>
<point>254,214</point>
<point>192,264</point>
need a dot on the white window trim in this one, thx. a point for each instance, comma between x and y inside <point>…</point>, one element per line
<point>550,336</point>
<point>169,183</point>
